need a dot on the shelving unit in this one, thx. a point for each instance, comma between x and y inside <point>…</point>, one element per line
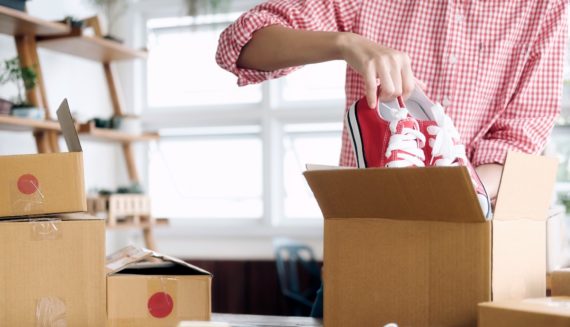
<point>30,33</point>
<point>17,124</point>
<point>90,132</point>
<point>158,223</point>
<point>90,47</point>
<point>14,22</point>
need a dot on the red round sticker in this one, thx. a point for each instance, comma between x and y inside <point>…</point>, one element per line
<point>28,184</point>
<point>160,304</point>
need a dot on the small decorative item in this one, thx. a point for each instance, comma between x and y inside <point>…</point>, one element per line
<point>5,107</point>
<point>29,112</point>
<point>76,25</point>
<point>25,79</point>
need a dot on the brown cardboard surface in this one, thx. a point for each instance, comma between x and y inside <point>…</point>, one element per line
<point>52,271</point>
<point>551,312</point>
<point>560,282</point>
<point>128,299</point>
<point>133,281</point>
<point>519,259</point>
<point>411,246</point>
<point>60,186</point>
<point>414,273</point>
<point>39,184</point>
<point>429,194</point>
<point>526,187</point>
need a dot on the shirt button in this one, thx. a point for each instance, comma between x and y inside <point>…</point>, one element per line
<point>446,101</point>
<point>452,59</point>
<point>459,18</point>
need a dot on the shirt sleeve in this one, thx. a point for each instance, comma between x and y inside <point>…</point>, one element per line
<point>314,15</point>
<point>527,122</point>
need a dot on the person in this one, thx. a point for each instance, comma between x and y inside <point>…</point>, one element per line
<point>495,66</point>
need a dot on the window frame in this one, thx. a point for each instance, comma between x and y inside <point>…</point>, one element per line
<point>271,115</point>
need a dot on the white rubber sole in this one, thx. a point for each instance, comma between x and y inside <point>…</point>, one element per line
<point>354,134</point>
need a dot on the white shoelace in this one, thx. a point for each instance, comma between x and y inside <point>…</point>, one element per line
<point>406,141</point>
<point>444,142</point>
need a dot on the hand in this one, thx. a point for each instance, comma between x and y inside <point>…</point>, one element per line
<point>374,61</point>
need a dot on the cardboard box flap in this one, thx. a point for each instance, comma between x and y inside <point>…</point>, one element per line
<point>527,186</point>
<point>132,256</point>
<point>556,305</point>
<point>429,194</point>
<point>68,127</point>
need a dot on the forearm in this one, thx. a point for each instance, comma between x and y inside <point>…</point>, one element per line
<point>276,47</point>
<point>490,175</point>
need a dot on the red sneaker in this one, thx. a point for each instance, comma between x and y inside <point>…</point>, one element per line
<point>443,147</point>
<point>384,137</point>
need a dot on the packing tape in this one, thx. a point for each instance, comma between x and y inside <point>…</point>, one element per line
<point>50,312</point>
<point>26,194</point>
<point>162,297</point>
<point>45,230</point>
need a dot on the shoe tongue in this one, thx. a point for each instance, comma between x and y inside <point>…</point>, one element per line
<point>409,122</point>
<point>390,114</point>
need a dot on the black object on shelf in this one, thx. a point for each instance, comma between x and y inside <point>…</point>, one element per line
<point>14,4</point>
<point>5,107</point>
<point>113,38</point>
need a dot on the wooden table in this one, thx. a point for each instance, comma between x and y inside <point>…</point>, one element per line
<point>265,321</point>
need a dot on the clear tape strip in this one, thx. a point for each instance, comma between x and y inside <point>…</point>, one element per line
<point>50,312</point>
<point>26,195</point>
<point>44,230</point>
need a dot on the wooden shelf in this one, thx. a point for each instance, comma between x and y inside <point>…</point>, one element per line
<point>14,22</point>
<point>11,123</point>
<point>90,132</point>
<point>160,222</point>
<point>90,47</point>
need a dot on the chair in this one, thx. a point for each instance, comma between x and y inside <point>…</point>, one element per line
<point>290,256</point>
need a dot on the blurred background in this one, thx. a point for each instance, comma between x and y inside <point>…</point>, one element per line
<point>226,170</point>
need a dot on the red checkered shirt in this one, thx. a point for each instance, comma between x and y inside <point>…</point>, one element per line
<point>496,66</point>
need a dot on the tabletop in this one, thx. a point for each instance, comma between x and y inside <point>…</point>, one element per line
<point>237,320</point>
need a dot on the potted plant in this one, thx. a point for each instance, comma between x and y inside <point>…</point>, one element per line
<point>25,79</point>
<point>202,7</point>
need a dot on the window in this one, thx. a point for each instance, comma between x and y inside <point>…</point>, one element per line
<point>315,82</point>
<point>181,67</point>
<point>303,144</point>
<point>207,175</point>
<point>228,152</point>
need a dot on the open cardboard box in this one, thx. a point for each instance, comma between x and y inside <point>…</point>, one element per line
<point>52,271</point>
<point>145,288</point>
<point>548,312</point>
<point>39,184</point>
<point>411,245</point>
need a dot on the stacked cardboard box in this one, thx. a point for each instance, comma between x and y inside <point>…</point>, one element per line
<point>411,245</point>
<point>145,288</point>
<point>52,268</point>
<point>52,271</point>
